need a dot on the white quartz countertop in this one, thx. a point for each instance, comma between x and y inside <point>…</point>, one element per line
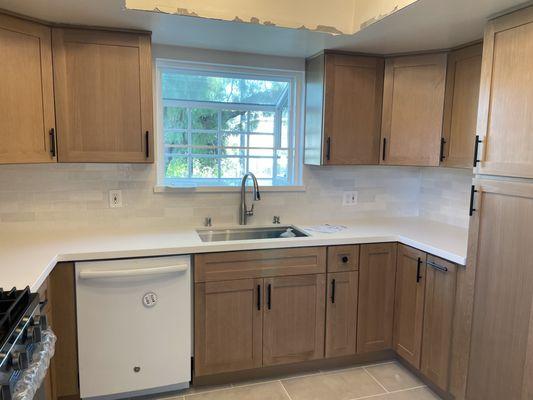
<point>28,256</point>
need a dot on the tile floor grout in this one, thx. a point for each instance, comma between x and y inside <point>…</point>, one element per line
<point>285,389</point>
<point>306,375</point>
<point>376,380</point>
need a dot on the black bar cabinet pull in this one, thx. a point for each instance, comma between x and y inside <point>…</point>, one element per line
<point>471,208</point>
<point>147,140</point>
<point>328,148</point>
<point>53,142</point>
<point>333,291</point>
<point>476,148</point>
<point>437,266</point>
<point>269,296</point>
<point>442,143</point>
<point>384,148</point>
<point>259,297</point>
<point>418,265</point>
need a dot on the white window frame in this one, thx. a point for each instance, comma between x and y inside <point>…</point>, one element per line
<point>295,79</point>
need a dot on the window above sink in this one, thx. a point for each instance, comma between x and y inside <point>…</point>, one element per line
<point>215,123</point>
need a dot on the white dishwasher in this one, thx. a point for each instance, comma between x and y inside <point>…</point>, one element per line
<point>134,326</point>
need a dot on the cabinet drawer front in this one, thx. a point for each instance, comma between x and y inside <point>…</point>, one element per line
<point>259,263</point>
<point>343,258</point>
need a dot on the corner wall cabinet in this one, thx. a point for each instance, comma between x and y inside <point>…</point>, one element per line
<point>95,84</point>
<point>413,101</point>
<point>460,107</point>
<point>343,114</point>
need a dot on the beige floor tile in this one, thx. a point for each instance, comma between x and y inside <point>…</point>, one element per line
<point>393,376</point>
<point>204,389</point>
<point>261,391</point>
<point>344,385</point>
<point>411,394</point>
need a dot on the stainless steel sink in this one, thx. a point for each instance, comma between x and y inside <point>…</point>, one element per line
<point>219,235</point>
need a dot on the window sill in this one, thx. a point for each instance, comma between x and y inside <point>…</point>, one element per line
<point>225,189</point>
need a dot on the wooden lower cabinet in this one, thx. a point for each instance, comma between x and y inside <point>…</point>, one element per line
<point>228,325</point>
<point>441,281</point>
<point>501,349</point>
<point>377,274</point>
<point>293,322</point>
<point>341,313</point>
<point>409,304</point>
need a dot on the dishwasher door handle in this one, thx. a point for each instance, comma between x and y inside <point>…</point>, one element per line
<point>128,273</point>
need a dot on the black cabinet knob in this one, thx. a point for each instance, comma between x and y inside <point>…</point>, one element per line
<point>345,259</point>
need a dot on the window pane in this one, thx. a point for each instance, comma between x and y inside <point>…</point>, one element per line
<point>205,168</point>
<point>179,85</point>
<point>261,153</point>
<point>261,141</point>
<point>285,127</point>
<point>261,167</point>
<point>204,118</point>
<point>174,117</point>
<point>234,120</point>
<point>262,121</point>
<point>178,138</point>
<point>232,167</point>
<point>177,167</point>
<point>204,143</point>
<point>282,162</point>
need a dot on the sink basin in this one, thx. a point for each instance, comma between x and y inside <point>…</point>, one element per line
<point>220,235</point>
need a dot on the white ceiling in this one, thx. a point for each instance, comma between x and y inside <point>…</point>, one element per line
<point>424,25</point>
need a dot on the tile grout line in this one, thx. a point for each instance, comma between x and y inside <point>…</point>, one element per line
<point>285,390</point>
<point>376,380</point>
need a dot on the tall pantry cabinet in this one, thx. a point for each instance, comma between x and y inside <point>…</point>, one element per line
<point>500,364</point>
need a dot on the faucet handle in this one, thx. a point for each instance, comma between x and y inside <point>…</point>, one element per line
<point>250,211</point>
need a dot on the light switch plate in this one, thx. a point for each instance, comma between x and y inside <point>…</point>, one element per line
<point>349,198</point>
<point>115,198</point>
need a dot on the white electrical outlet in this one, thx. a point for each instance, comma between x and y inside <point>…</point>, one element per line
<point>115,198</point>
<point>349,198</point>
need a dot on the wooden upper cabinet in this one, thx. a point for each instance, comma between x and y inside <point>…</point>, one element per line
<point>409,303</point>
<point>26,96</point>
<point>413,101</point>
<point>343,109</point>
<point>500,237</point>
<point>460,107</point>
<point>441,282</point>
<point>294,317</point>
<point>228,326</point>
<point>341,313</point>
<point>377,274</point>
<point>103,95</point>
<point>505,120</point>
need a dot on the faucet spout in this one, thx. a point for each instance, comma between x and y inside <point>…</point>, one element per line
<point>244,212</point>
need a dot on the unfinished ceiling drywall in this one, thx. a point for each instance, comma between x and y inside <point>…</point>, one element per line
<point>423,25</point>
<point>334,16</point>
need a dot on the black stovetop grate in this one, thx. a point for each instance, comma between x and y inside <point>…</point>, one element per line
<point>13,303</point>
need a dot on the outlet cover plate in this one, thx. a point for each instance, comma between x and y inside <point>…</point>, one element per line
<point>349,198</point>
<point>115,198</point>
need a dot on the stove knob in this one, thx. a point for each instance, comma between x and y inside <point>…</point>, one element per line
<point>19,360</point>
<point>41,321</point>
<point>34,334</point>
<point>5,392</point>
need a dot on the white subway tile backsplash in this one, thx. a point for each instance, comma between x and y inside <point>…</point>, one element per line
<point>77,195</point>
